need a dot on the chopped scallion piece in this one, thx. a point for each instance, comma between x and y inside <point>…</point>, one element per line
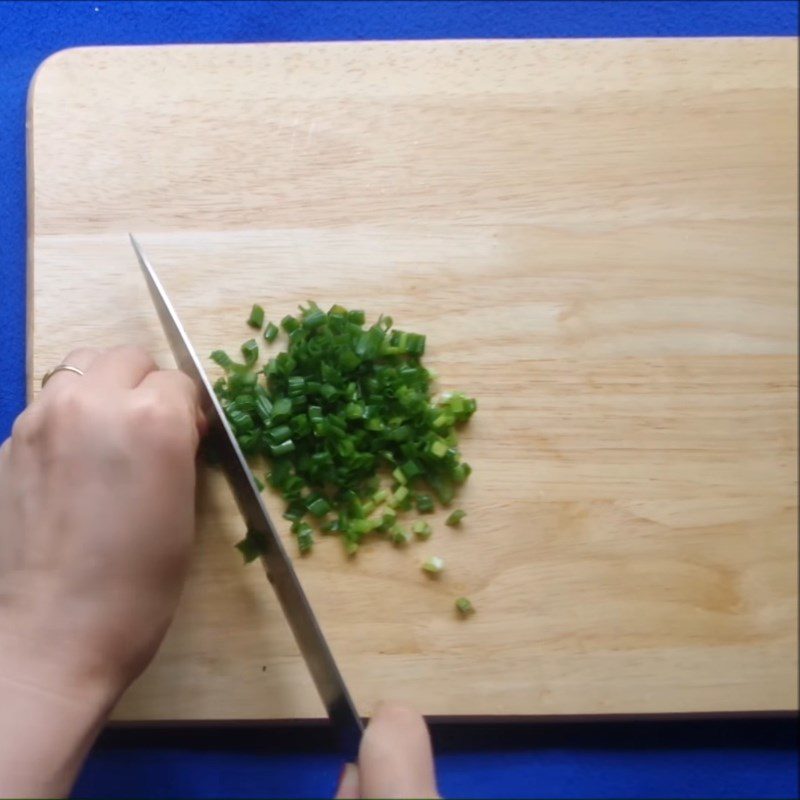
<point>421,529</point>
<point>283,448</point>
<point>222,359</point>
<point>251,547</point>
<point>464,606</point>
<point>250,352</point>
<point>314,318</point>
<point>424,503</point>
<point>305,537</point>
<point>271,332</point>
<point>256,318</point>
<point>318,506</point>
<point>434,565</point>
<point>356,316</point>
<point>289,324</point>
<point>282,408</point>
<point>400,494</point>
<point>400,536</point>
<point>367,508</point>
<point>411,469</point>
<point>388,520</point>
<point>456,517</point>
<point>439,448</point>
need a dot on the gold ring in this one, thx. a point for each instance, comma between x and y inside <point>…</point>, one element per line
<point>60,368</point>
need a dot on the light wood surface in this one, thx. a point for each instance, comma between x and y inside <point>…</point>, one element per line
<point>600,240</point>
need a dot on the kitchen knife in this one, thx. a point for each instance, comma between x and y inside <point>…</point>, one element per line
<point>278,566</point>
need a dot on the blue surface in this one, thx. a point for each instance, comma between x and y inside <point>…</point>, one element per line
<point>733,758</point>
<point>730,759</point>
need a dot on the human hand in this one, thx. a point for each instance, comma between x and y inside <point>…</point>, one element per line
<point>395,758</point>
<point>96,523</point>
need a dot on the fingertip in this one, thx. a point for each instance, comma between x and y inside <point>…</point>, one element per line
<point>399,717</point>
<point>123,367</point>
<point>136,356</point>
<point>395,759</point>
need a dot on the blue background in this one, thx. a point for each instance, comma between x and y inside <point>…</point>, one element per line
<point>727,758</point>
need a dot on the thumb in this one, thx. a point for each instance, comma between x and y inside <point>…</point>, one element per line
<point>395,758</point>
<point>348,783</point>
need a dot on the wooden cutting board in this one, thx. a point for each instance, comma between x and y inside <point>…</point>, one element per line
<point>600,240</point>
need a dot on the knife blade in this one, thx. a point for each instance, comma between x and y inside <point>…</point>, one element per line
<point>277,564</point>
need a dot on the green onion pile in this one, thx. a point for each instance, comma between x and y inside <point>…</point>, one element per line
<point>346,418</point>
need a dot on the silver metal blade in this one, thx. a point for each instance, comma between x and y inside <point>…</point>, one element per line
<point>277,564</point>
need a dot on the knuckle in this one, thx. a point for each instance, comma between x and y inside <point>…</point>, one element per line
<point>132,354</point>
<point>185,383</point>
<point>149,415</point>
<point>161,424</point>
<point>80,355</point>
<point>185,388</point>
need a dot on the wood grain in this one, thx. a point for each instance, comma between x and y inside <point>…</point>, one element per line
<point>600,240</point>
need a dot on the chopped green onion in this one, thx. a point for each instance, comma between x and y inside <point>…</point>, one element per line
<point>271,332</point>
<point>367,508</point>
<point>388,520</point>
<point>351,547</point>
<point>411,469</point>
<point>439,448</point>
<point>421,529</point>
<point>279,434</point>
<point>282,408</point>
<point>314,318</point>
<point>461,472</point>
<point>357,317</point>
<point>240,382</point>
<point>250,352</point>
<point>346,415</point>
<point>400,536</point>
<point>251,547</point>
<point>424,503</point>
<point>289,324</point>
<point>360,527</point>
<point>456,517</point>
<point>318,506</point>
<point>443,488</point>
<point>464,606</point>
<point>241,421</point>
<point>461,407</point>
<point>259,483</point>
<point>283,448</point>
<point>305,537</point>
<point>434,565</point>
<point>296,385</point>
<point>401,493</point>
<point>256,318</point>
<point>222,359</point>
